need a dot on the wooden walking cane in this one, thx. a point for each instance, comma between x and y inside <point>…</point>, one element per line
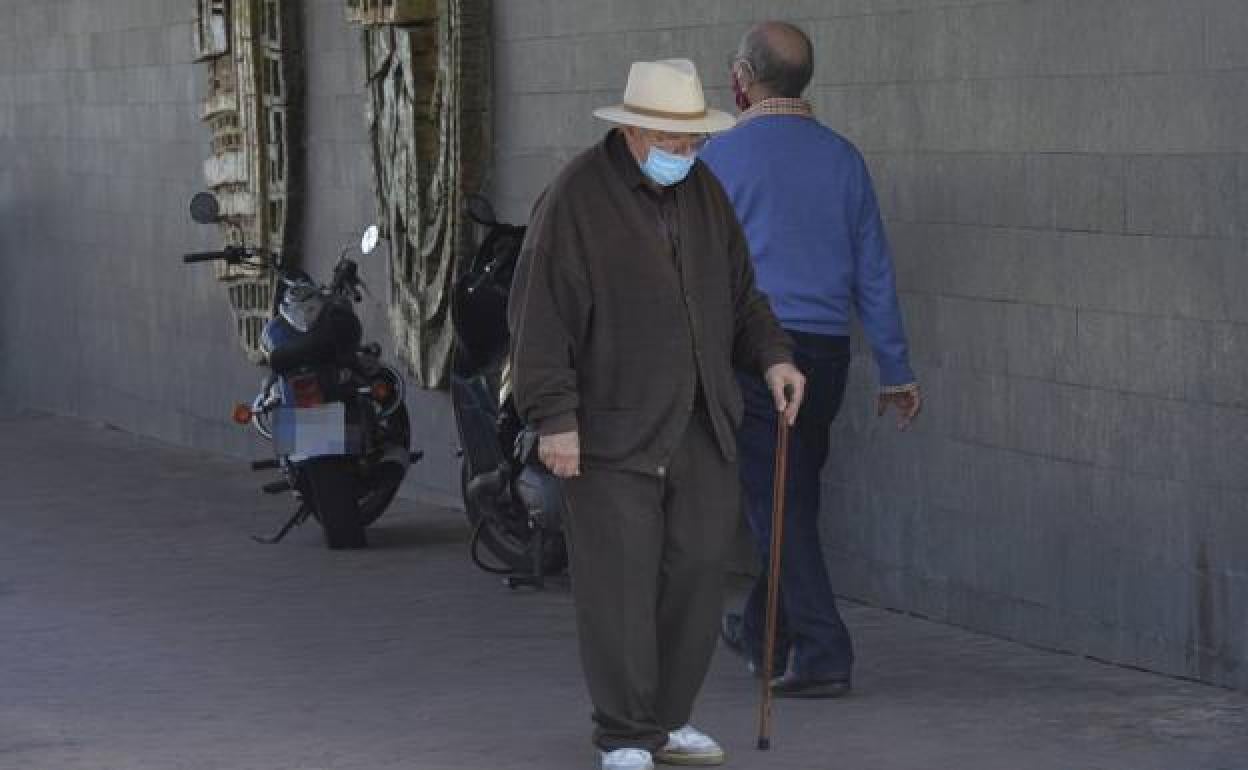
<point>773,572</point>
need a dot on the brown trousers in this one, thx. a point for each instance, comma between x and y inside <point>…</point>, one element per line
<point>648,556</point>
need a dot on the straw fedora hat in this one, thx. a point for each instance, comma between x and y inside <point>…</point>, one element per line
<point>666,96</point>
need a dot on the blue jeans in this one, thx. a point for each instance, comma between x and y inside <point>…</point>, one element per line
<point>810,627</point>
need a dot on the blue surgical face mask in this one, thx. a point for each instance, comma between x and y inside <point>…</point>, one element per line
<point>666,168</point>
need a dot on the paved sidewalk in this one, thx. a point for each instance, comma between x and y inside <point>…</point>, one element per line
<point>140,629</point>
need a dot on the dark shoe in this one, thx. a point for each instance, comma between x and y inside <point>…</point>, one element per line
<point>790,686</point>
<point>732,631</point>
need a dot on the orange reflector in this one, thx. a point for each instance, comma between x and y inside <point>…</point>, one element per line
<point>242,414</point>
<point>382,391</point>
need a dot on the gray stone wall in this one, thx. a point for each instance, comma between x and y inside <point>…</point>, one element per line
<point>1065,182</point>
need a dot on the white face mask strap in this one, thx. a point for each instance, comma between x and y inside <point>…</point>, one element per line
<point>745,72</point>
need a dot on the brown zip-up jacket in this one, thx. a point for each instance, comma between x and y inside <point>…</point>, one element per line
<point>624,301</point>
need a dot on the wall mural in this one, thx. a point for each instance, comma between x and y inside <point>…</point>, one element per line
<point>427,69</point>
<point>253,105</point>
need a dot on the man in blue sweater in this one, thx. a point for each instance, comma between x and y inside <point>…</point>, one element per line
<point>804,197</point>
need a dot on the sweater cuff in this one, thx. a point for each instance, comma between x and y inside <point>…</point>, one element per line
<point>772,357</point>
<point>557,423</point>
<point>909,387</point>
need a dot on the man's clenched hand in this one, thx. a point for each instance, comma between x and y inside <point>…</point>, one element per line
<point>779,377</point>
<point>561,453</point>
<point>908,403</point>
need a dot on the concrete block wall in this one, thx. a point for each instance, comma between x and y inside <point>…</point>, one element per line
<point>1066,188</point>
<point>100,150</point>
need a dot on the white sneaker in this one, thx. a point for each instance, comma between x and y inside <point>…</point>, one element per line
<point>627,759</point>
<point>690,746</point>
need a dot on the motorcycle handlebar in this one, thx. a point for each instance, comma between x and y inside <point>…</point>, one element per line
<point>231,254</point>
<point>205,256</point>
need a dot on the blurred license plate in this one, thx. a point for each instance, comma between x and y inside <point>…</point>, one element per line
<point>311,431</point>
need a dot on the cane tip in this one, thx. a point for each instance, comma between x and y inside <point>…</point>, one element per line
<point>764,744</point>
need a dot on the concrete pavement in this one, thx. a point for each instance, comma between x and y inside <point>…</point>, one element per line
<point>140,629</point>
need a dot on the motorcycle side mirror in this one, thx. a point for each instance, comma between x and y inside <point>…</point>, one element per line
<point>368,241</point>
<point>480,210</point>
<point>205,209</point>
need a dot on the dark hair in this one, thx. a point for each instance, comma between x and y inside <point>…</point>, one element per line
<point>783,76</point>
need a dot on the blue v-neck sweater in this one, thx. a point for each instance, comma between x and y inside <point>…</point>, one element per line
<point>804,197</point>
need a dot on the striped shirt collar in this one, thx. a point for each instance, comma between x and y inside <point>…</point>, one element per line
<point>778,106</point>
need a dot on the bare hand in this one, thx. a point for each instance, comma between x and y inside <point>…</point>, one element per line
<point>908,403</point>
<point>779,377</point>
<point>561,453</point>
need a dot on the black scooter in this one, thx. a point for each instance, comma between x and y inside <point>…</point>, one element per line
<point>513,503</point>
<point>332,409</point>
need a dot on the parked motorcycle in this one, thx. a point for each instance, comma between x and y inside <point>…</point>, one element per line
<point>515,506</point>
<point>332,409</point>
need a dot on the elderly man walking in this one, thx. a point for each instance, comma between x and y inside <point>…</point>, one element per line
<point>805,200</point>
<point>633,299</point>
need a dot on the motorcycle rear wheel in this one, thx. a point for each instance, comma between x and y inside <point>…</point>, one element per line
<point>330,485</point>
